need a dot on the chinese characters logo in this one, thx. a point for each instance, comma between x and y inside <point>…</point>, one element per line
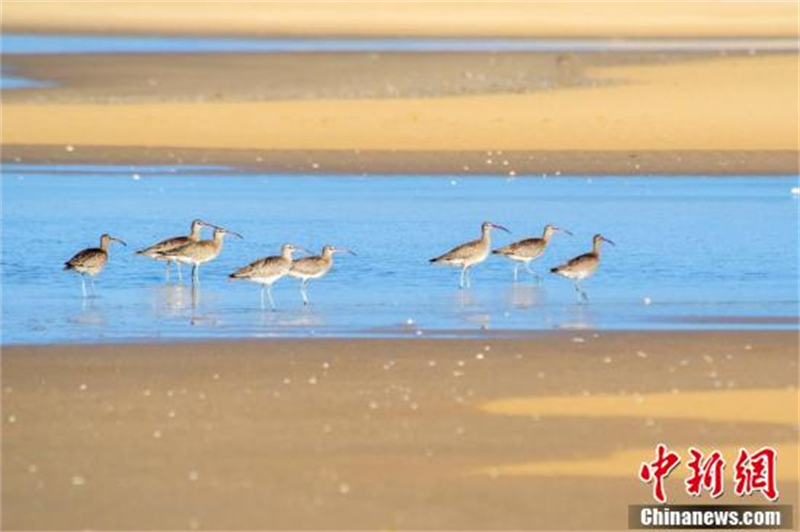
<point>752,473</point>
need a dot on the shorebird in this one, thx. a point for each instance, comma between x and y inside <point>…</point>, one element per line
<point>156,251</point>
<point>524,251</point>
<point>91,261</point>
<point>314,267</point>
<point>469,254</point>
<point>200,252</point>
<point>582,266</point>
<point>268,270</point>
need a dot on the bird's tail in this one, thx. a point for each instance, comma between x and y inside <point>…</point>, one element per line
<point>555,270</point>
<point>67,266</point>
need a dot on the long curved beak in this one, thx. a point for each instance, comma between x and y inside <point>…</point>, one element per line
<point>498,226</point>
<point>607,240</point>
<point>563,231</point>
<point>115,239</point>
<point>344,250</point>
<point>227,231</point>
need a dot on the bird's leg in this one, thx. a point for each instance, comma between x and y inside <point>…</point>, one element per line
<point>469,279</point>
<point>196,273</point>
<point>269,294</point>
<point>463,274</point>
<point>581,294</point>
<point>168,270</point>
<point>263,289</point>
<point>83,285</point>
<point>535,275</point>
<point>303,291</point>
<point>516,271</point>
<point>195,296</point>
<point>180,275</point>
<point>91,286</point>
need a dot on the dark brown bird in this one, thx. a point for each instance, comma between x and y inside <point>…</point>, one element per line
<point>582,266</point>
<point>91,261</point>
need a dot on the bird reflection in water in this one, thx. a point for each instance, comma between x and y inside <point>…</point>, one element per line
<point>90,315</point>
<point>303,318</point>
<point>578,316</point>
<point>524,295</point>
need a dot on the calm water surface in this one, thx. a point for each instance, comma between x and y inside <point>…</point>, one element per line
<point>706,252</point>
<point>17,43</point>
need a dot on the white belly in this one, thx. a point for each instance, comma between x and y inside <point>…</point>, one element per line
<point>266,280</point>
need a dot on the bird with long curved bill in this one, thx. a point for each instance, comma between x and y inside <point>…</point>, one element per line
<point>268,270</point>
<point>91,261</point>
<point>470,253</point>
<point>529,249</point>
<point>314,267</point>
<point>197,253</point>
<point>583,266</point>
<point>157,251</point>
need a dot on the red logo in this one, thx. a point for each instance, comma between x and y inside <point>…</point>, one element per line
<point>705,473</point>
<point>756,472</point>
<point>659,469</point>
<point>752,473</point>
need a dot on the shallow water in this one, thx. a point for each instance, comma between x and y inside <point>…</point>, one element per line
<point>16,43</point>
<point>708,252</point>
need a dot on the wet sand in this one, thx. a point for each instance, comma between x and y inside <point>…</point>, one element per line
<point>507,164</point>
<point>534,433</point>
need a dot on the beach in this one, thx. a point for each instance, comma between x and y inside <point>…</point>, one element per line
<point>510,19</point>
<point>542,432</point>
<point>395,399</point>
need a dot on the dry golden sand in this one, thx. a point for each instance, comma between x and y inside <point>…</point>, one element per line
<point>671,107</point>
<point>600,113</point>
<point>401,18</point>
<point>381,434</point>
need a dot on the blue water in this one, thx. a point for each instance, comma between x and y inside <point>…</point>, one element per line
<point>81,44</point>
<point>708,252</point>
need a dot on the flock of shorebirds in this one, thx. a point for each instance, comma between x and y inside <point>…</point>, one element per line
<point>193,250</point>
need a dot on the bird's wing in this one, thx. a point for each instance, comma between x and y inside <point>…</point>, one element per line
<point>177,250</point>
<point>459,252</point>
<point>577,261</point>
<point>164,246</point>
<point>87,258</point>
<point>308,265</point>
<point>532,244</point>
<point>261,268</point>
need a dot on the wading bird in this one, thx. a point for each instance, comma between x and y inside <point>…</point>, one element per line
<point>582,266</point>
<point>467,255</point>
<point>200,252</point>
<point>268,270</point>
<point>91,261</point>
<point>314,267</point>
<point>156,251</point>
<point>524,251</point>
